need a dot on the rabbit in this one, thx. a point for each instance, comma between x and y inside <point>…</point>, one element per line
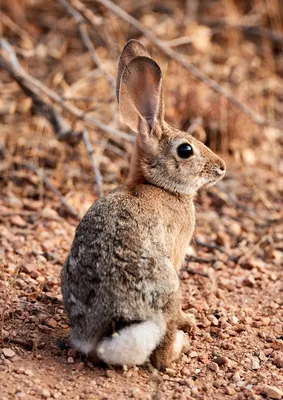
<point>120,281</point>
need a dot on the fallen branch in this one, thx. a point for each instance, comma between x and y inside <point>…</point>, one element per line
<point>61,128</point>
<point>49,185</point>
<point>259,193</point>
<point>6,20</point>
<point>82,28</point>
<point>22,213</point>
<point>200,260</point>
<point>28,344</point>
<point>194,272</point>
<point>253,249</point>
<point>211,246</point>
<point>90,151</point>
<point>248,29</point>
<point>37,86</point>
<point>179,58</point>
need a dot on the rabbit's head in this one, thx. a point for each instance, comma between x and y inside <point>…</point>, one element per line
<point>165,156</point>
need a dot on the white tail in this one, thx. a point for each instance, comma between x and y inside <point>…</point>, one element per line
<point>133,344</point>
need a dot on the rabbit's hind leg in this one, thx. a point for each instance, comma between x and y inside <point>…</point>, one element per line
<point>161,358</point>
<point>175,341</point>
<point>173,345</point>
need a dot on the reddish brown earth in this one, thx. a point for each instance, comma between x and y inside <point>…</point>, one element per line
<point>237,346</point>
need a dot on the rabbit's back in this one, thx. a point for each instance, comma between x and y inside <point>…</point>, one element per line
<point>119,267</point>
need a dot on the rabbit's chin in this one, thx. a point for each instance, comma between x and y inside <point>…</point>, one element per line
<point>188,189</point>
<point>211,183</point>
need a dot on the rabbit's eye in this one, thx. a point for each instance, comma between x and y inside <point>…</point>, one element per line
<point>185,150</point>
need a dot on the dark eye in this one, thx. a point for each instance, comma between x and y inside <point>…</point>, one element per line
<point>185,150</point>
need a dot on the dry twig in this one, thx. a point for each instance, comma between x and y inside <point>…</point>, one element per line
<point>22,213</point>
<point>36,86</point>
<point>248,28</point>
<point>180,59</point>
<point>6,20</point>
<point>200,259</point>
<point>82,28</point>
<point>259,193</point>
<point>194,272</point>
<point>48,184</point>
<point>210,246</point>
<point>253,249</point>
<point>95,168</point>
<point>62,129</point>
<point>29,344</point>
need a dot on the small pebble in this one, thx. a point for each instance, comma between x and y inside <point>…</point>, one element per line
<point>20,395</point>
<point>186,371</point>
<point>110,373</point>
<point>44,393</point>
<point>217,383</point>
<point>213,319</point>
<point>213,366</point>
<point>18,221</point>
<point>52,323</point>
<point>267,351</point>
<point>221,360</point>
<point>223,239</point>
<point>170,371</point>
<point>236,376</point>
<point>278,360</point>
<point>249,281</point>
<point>229,390</point>
<point>272,392</point>
<point>233,320</point>
<point>255,363</point>
<point>8,353</point>
<point>265,321</point>
<point>205,322</point>
<point>45,329</point>
<point>241,328</point>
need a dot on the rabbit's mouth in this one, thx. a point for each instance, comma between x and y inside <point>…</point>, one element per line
<point>212,180</point>
<point>211,183</point>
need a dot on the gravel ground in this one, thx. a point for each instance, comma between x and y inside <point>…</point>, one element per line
<point>232,284</point>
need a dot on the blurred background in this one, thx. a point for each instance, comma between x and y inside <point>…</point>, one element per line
<point>72,48</point>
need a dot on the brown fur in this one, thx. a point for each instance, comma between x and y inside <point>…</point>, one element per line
<point>128,249</point>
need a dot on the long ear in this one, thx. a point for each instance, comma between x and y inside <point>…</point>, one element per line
<point>141,93</point>
<point>132,49</point>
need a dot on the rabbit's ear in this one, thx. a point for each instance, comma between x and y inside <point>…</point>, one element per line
<point>132,49</point>
<point>141,94</point>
